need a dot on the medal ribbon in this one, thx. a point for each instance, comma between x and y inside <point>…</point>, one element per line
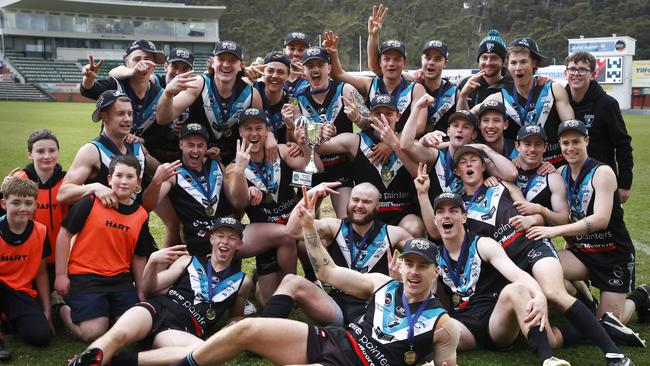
<point>413,320</point>
<point>477,193</point>
<point>529,185</point>
<point>371,140</point>
<point>523,111</point>
<point>572,189</point>
<point>440,92</point>
<point>110,145</point>
<point>455,271</point>
<point>196,183</point>
<point>275,119</point>
<point>363,244</point>
<point>216,106</point>
<point>396,93</point>
<point>264,172</point>
<point>449,167</point>
<point>219,278</point>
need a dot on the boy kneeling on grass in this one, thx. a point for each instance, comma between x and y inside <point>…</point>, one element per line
<point>110,251</point>
<point>197,292</point>
<point>24,246</point>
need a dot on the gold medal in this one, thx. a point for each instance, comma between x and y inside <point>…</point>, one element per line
<point>410,357</point>
<point>138,190</point>
<point>209,211</point>
<point>268,198</point>
<point>227,132</point>
<point>387,174</point>
<point>211,313</point>
<point>455,299</point>
<point>293,101</point>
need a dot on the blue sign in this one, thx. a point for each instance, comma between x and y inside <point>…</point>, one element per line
<point>609,46</point>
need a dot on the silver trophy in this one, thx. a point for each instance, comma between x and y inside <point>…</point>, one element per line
<point>313,130</point>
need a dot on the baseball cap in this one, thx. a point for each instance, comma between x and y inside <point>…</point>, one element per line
<point>422,247</point>
<point>194,128</point>
<point>277,56</point>
<point>147,46</point>
<point>454,198</point>
<point>315,53</point>
<point>573,124</point>
<point>227,47</point>
<point>181,54</point>
<point>253,113</point>
<point>105,100</point>
<point>392,44</point>
<point>229,222</point>
<point>296,36</point>
<point>439,46</point>
<point>466,115</point>
<point>492,43</point>
<point>383,100</point>
<point>491,105</point>
<point>466,149</point>
<point>532,46</point>
<point>531,130</point>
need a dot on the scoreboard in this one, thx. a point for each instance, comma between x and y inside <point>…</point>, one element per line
<point>609,70</point>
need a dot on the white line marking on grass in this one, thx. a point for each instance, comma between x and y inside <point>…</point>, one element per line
<point>645,248</point>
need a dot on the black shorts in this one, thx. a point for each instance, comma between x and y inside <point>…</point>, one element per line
<point>92,305</point>
<point>537,250</point>
<point>17,304</point>
<point>335,173</point>
<point>167,315</point>
<point>330,346</point>
<point>352,308</point>
<point>267,262</point>
<point>618,277</point>
<point>476,317</point>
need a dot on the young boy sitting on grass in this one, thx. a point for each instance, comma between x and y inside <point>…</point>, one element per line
<point>96,275</point>
<point>24,246</point>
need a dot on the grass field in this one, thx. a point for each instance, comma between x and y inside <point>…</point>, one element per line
<point>72,124</point>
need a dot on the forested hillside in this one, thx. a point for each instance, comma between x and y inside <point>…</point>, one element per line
<point>260,24</point>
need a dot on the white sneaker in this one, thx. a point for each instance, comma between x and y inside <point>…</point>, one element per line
<point>249,308</point>
<point>554,361</point>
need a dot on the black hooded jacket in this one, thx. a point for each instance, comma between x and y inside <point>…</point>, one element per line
<point>609,141</point>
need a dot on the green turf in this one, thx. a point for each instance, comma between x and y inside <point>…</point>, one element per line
<point>71,123</point>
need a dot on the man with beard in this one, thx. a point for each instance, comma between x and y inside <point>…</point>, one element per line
<point>490,79</point>
<point>393,179</point>
<point>491,212</point>
<point>609,141</point>
<point>359,242</point>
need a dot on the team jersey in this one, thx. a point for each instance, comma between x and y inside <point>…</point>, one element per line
<point>438,113</point>
<point>394,182</point>
<point>612,245</point>
<point>485,90</point>
<point>274,181</point>
<point>293,88</point>
<point>221,115</point>
<point>198,198</point>
<point>469,278</point>
<point>49,211</point>
<point>190,292</point>
<point>274,113</point>
<point>107,239</point>
<point>332,110</point>
<point>21,255</point>
<point>443,178</point>
<point>107,150</point>
<point>539,109</point>
<point>534,187</point>
<point>403,94</point>
<point>488,213</point>
<point>381,336</point>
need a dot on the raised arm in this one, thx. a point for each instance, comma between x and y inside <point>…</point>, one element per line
<point>163,268</point>
<point>326,227</point>
<point>422,183</point>
<point>375,22</point>
<point>471,84</point>
<point>162,181</point>
<point>361,83</point>
<point>498,165</point>
<point>408,142</point>
<point>179,94</point>
<point>73,188</point>
<point>562,104</point>
<point>361,285</point>
<point>236,187</point>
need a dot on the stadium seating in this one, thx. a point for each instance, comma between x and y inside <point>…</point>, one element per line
<point>16,91</point>
<point>46,71</point>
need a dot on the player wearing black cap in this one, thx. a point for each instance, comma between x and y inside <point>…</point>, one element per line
<point>277,68</point>
<point>216,100</point>
<point>490,212</point>
<point>393,178</point>
<point>199,188</point>
<point>530,102</point>
<point>196,292</point>
<point>322,101</point>
<point>490,79</point>
<point>140,59</point>
<point>435,57</point>
<point>295,44</point>
<point>370,341</point>
<point>610,142</point>
<point>472,269</point>
<point>433,150</point>
<point>392,63</point>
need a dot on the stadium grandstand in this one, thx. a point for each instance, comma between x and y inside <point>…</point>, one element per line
<point>44,43</point>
